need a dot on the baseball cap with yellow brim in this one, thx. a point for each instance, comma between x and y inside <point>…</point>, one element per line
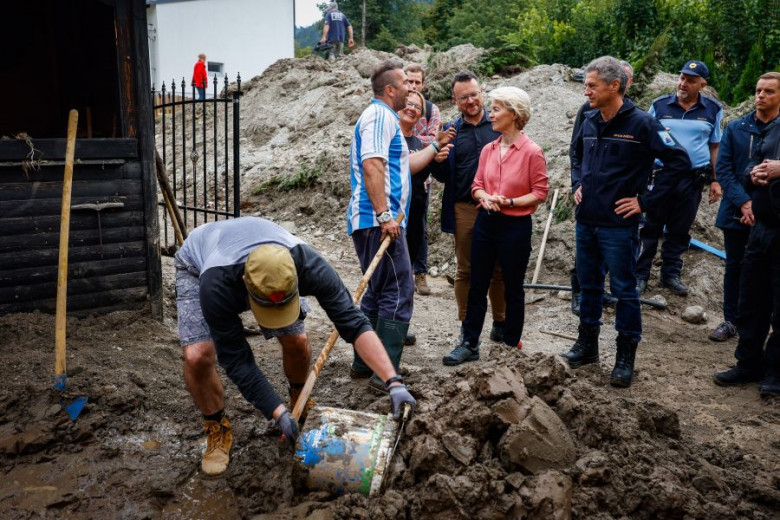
<point>272,283</point>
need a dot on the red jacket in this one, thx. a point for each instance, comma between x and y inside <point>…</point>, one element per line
<point>199,76</point>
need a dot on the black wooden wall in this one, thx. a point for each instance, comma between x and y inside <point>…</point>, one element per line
<point>67,39</point>
<point>101,278</point>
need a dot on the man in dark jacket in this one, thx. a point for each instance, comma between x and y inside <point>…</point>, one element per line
<point>458,208</point>
<point>576,296</point>
<point>612,159</point>
<point>735,215</point>
<point>759,285</point>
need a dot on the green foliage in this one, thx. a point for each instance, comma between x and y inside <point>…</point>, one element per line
<point>564,210</point>
<point>305,177</point>
<point>506,58</point>
<point>301,52</point>
<point>747,82</point>
<point>384,41</point>
<point>654,35</point>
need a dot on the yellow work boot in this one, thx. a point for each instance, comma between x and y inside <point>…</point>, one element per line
<point>295,393</point>
<point>220,440</point>
<point>421,284</point>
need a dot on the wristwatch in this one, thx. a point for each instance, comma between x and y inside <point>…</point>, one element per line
<point>385,216</point>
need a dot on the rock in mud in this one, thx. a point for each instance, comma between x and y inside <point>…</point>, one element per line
<point>694,314</point>
<point>541,442</point>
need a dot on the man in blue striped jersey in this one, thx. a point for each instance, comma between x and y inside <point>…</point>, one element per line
<point>380,178</point>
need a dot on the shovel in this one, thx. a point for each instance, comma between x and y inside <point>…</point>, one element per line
<point>344,451</point>
<point>60,376</point>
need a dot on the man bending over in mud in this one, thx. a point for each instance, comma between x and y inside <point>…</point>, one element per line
<point>227,267</point>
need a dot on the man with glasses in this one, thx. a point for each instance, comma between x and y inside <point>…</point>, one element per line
<point>380,176</point>
<point>227,267</point>
<point>458,209</point>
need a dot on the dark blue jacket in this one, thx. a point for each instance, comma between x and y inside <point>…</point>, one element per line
<point>613,160</point>
<point>468,143</point>
<point>737,150</point>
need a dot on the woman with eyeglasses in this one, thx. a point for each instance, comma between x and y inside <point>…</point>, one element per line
<point>510,183</point>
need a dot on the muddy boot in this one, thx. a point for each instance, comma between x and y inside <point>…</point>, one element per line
<point>741,374</point>
<point>220,440</point>
<point>421,284</point>
<point>465,351</point>
<point>623,372</point>
<point>295,392</point>
<point>771,385</point>
<point>392,333</point>
<point>586,349</point>
<point>360,370</point>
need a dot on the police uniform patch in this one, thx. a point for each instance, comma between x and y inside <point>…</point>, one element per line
<point>666,138</point>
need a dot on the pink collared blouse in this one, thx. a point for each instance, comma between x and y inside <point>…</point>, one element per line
<point>523,170</point>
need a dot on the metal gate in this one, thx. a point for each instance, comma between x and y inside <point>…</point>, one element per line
<point>198,141</point>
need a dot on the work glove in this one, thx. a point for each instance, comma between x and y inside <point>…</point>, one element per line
<point>289,426</point>
<point>398,396</point>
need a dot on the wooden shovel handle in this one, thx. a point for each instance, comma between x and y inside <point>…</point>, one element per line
<point>544,238</point>
<point>62,268</point>
<point>334,336</point>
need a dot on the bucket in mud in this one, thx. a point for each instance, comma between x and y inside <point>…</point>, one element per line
<point>344,451</point>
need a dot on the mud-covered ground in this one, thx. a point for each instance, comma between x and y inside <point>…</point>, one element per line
<point>514,435</point>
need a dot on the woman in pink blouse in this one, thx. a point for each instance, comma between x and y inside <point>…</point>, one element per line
<point>510,183</point>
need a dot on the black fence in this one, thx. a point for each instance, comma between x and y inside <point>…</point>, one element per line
<point>198,141</point>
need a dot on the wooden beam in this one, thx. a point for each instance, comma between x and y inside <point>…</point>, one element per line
<point>54,149</point>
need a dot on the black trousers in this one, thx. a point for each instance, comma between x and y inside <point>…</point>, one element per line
<point>759,300</point>
<point>678,218</point>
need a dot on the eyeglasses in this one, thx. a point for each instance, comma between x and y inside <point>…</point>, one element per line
<point>414,106</point>
<point>466,97</point>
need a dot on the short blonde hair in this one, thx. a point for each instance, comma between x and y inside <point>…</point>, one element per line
<point>515,99</point>
<point>422,101</point>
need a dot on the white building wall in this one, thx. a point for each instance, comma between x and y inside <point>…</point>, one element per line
<point>245,35</point>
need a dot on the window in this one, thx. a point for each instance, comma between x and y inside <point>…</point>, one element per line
<point>215,67</point>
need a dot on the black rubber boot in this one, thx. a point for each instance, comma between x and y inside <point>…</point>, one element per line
<point>623,372</point>
<point>392,333</point>
<point>741,374</point>
<point>360,370</point>
<point>586,349</point>
<point>771,385</point>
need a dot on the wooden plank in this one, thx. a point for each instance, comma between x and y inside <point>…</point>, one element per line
<point>43,257</point>
<point>79,238</point>
<point>29,276</point>
<point>79,286</point>
<point>43,207</point>
<point>22,191</point>
<point>27,229</point>
<point>54,149</point>
<point>82,172</point>
<point>119,299</point>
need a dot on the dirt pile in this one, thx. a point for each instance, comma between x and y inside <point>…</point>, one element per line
<point>521,437</point>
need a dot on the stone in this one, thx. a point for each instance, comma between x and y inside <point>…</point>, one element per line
<point>694,314</point>
<point>540,443</point>
<point>289,226</point>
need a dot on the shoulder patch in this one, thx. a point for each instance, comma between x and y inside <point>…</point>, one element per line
<point>666,138</point>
